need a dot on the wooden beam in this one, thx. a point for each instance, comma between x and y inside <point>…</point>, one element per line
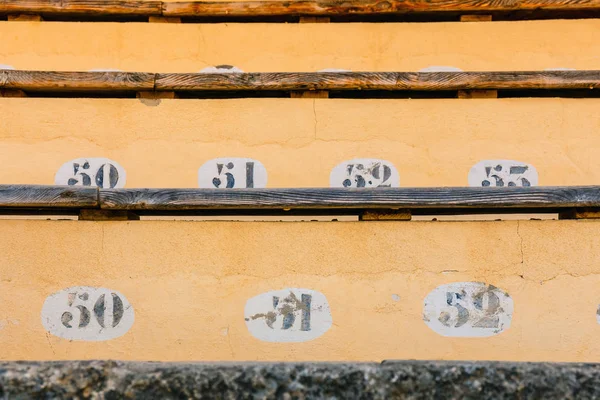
<point>297,8</point>
<point>365,7</point>
<point>75,81</point>
<point>12,93</point>
<point>415,81</point>
<point>310,94</point>
<point>312,20</point>
<point>50,197</point>
<point>107,215</point>
<point>151,95</point>
<point>386,215</point>
<point>82,7</point>
<point>24,17</point>
<point>337,198</point>
<point>477,94</point>
<point>475,18</point>
<point>485,82</point>
<point>164,20</point>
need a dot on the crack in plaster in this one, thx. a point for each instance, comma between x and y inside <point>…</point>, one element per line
<point>521,248</point>
<point>315,116</point>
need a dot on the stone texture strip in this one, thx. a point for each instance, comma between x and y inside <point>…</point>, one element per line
<point>392,379</point>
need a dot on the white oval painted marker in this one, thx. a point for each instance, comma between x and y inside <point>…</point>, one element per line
<point>221,69</point>
<point>229,173</point>
<point>468,309</point>
<point>288,315</point>
<point>502,173</point>
<point>97,172</point>
<point>364,172</point>
<point>440,68</point>
<point>87,313</point>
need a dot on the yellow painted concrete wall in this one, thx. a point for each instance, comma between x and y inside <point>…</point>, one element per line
<point>523,45</point>
<point>431,142</point>
<point>188,283</point>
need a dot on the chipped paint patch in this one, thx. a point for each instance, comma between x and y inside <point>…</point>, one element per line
<point>502,173</point>
<point>468,309</point>
<point>87,313</point>
<point>99,172</point>
<point>288,315</point>
<point>364,172</point>
<point>228,173</point>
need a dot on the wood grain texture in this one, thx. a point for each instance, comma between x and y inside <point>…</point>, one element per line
<point>284,8</point>
<point>82,7</point>
<point>367,7</point>
<point>331,198</point>
<point>300,81</point>
<point>73,81</point>
<point>34,196</point>
<point>381,81</point>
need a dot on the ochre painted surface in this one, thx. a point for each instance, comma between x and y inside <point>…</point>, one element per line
<point>299,141</point>
<point>189,282</point>
<point>155,47</point>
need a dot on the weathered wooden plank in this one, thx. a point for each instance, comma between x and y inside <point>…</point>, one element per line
<point>38,196</point>
<point>230,9</point>
<point>75,81</point>
<point>375,277</point>
<point>382,81</point>
<point>408,198</point>
<point>83,7</point>
<point>307,81</point>
<point>366,7</point>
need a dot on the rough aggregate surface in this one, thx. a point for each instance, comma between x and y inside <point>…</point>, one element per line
<point>388,380</point>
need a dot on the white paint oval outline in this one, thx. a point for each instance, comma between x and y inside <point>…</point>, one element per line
<point>209,171</point>
<point>342,173</point>
<point>467,309</point>
<point>268,319</point>
<point>63,309</point>
<point>486,171</point>
<point>69,172</point>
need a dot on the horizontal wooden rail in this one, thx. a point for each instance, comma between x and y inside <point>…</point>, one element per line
<point>287,201</point>
<point>52,81</point>
<point>345,198</point>
<point>82,7</point>
<point>367,7</point>
<point>252,9</point>
<point>78,82</point>
<point>414,81</point>
<point>47,197</point>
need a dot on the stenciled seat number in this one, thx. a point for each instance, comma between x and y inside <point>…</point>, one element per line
<point>230,173</point>
<point>289,315</point>
<point>87,313</point>
<point>99,172</point>
<point>364,173</point>
<point>468,309</point>
<point>502,173</point>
